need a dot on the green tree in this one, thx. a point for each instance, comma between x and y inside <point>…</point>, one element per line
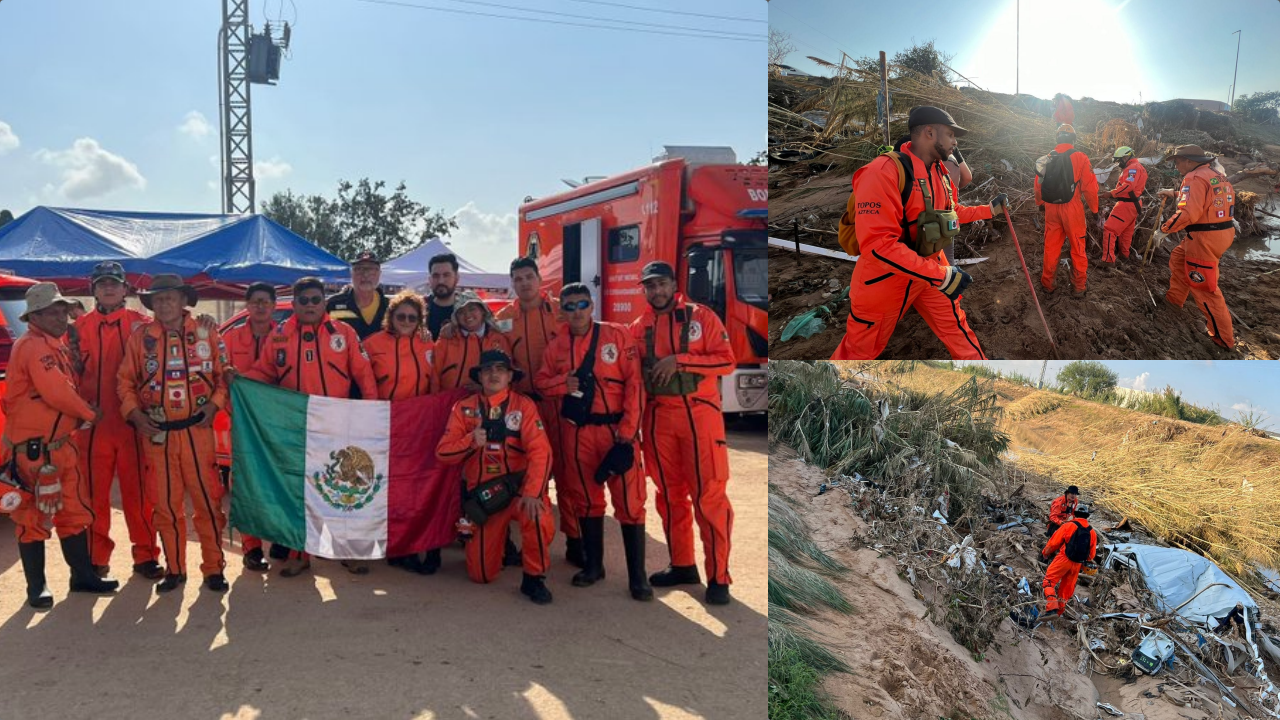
<point>1260,107</point>
<point>363,218</point>
<point>1087,378</point>
<point>927,60</point>
<point>6,217</point>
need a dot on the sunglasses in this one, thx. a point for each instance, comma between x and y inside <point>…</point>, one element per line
<point>310,300</point>
<point>575,305</point>
<point>401,317</point>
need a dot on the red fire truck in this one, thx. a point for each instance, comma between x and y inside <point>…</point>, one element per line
<point>695,208</point>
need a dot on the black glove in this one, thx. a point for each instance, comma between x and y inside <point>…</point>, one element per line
<point>998,204</point>
<point>955,153</point>
<point>955,282</point>
<point>620,458</point>
<point>1043,560</point>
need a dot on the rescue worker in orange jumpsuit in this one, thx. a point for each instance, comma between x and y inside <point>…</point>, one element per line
<point>171,385</point>
<point>501,442</point>
<point>401,355</point>
<point>684,349</point>
<point>531,322</point>
<point>111,448</point>
<point>892,274</point>
<point>1065,221</point>
<point>1123,218</point>
<point>315,355</point>
<point>43,411</point>
<point>1063,113</point>
<point>456,352</point>
<point>593,371</point>
<point>1061,509</point>
<point>246,343</point>
<point>1206,206</point>
<point>1060,578</point>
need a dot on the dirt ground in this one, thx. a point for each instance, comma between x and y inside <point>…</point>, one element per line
<point>906,667</point>
<point>1123,314</point>
<point>396,645</point>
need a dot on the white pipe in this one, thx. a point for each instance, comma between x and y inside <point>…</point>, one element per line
<point>837,255</point>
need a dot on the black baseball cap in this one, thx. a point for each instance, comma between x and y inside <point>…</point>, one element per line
<point>930,115</point>
<point>366,257</point>
<point>657,269</point>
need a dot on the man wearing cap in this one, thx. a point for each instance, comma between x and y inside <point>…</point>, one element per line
<point>531,321</point>
<point>1123,218</point>
<point>111,448</point>
<point>457,352</point>
<point>593,372</point>
<point>1061,509</point>
<point>246,344</point>
<point>171,385</point>
<point>1065,221</point>
<point>900,269</point>
<point>684,348</point>
<point>313,354</point>
<point>1060,577</point>
<point>502,445</point>
<point>43,411</point>
<point>362,304</point>
<point>1206,206</point>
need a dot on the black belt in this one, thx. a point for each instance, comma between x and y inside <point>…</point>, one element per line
<point>1201,227</point>
<point>169,425</point>
<point>1133,200</point>
<point>604,418</point>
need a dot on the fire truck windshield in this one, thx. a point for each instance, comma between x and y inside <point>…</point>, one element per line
<point>751,276</point>
<point>708,268</point>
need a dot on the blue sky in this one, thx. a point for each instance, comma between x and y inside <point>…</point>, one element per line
<point>115,105</point>
<point>1230,385</point>
<point>1106,49</point>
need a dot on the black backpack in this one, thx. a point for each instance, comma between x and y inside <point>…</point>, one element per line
<point>1057,177</point>
<point>1077,548</point>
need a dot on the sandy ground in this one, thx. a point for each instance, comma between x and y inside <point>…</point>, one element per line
<point>905,667</point>
<point>396,645</point>
<point>1123,315</point>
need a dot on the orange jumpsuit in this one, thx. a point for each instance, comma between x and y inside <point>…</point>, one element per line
<point>1061,511</point>
<point>180,372</point>
<point>455,356</point>
<point>890,276</point>
<point>1060,578</point>
<point>324,359</point>
<point>243,349</point>
<point>1124,216</point>
<point>530,333</point>
<point>615,414</point>
<point>41,402</point>
<point>525,449</point>
<point>401,364</point>
<point>111,448</point>
<point>1066,222</point>
<point>1206,205</point>
<point>685,451</point>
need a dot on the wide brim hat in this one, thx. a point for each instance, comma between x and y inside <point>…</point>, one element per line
<point>166,281</point>
<point>1192,152</point>
<point>465,298</point>
<point>44,295</point>
<point>495,357</point>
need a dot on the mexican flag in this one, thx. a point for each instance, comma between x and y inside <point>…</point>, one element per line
<point>339,478</point>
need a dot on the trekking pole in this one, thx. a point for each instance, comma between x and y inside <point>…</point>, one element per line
<point>1151,239</point>
<point>1027,273</point>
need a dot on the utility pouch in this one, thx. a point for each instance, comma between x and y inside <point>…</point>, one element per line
<point>491,497</point>
<point>681,382</point>
<point>935,228</point>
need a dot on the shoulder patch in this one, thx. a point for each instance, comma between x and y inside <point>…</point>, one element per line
<point>1213,181</point>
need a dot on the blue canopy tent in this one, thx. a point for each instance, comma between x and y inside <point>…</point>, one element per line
<point>217,253</point>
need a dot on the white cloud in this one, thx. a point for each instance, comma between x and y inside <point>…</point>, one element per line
<point>1249,407</point>
<point>195,126</point>
<point>272,169</point>
<point>489,240</point>
<point>89,170</point>
<point>1240,406</point>
<point>1140,382</point>
<point>8,140</point>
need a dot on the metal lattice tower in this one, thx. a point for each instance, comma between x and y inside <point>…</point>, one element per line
<point>237,127</point>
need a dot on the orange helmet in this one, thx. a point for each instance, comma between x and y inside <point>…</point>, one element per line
<point>1065,128</point>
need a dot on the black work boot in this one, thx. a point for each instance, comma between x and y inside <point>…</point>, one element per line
<point>633,543</point>
<point>170,583</point>
<point>38,595</point>
<point>150,570</point>
<point>573,551</point>
<point>83,577</point>
<point>676,575</point>
<point>717,593</point>
<point>430,563</point>
<point>592,552</point>
<point>536,589</point>
<point>216,582</point>
<point>255,561</point>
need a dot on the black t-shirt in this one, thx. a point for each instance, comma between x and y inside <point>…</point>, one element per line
<point>437,316</point>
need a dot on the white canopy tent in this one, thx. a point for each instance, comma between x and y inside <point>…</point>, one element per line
<point>410,270</point>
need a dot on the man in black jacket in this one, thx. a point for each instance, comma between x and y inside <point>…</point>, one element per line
<point>362,304</point>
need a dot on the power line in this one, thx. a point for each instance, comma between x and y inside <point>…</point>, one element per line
<point>708,35</point>
<point>673,12</point>
<point>603,19</point>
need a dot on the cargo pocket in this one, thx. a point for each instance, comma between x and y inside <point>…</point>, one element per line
<point>720,459</point>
